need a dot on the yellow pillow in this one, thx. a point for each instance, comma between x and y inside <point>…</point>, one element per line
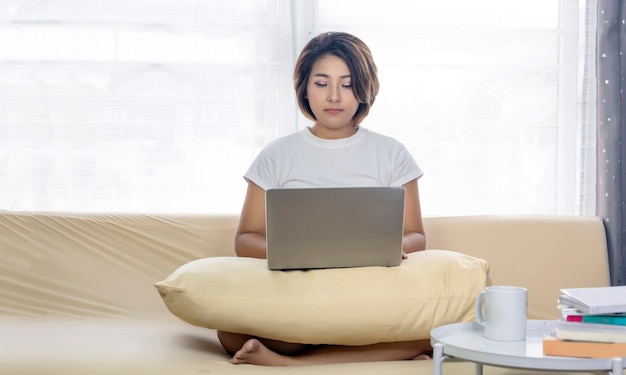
<point>345,306</point>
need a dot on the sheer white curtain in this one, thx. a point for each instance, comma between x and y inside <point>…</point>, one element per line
<point>135,106</point>
<point>159,106</point>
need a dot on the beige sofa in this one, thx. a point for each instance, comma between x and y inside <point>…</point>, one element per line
<point>77,293</point>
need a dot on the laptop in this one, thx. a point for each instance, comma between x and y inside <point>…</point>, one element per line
<point>334,227</point>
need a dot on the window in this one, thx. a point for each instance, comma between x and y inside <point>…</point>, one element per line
<point>160,106</point>
<point>486,95</point>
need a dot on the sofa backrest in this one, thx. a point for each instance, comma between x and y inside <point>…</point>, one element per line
<point>542,253</point>
<point>71,265</point>
<point>78,265</point>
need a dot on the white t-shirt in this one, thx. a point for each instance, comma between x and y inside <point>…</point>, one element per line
<point>302,160</point>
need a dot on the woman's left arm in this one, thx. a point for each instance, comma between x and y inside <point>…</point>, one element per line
<point>414,238</point>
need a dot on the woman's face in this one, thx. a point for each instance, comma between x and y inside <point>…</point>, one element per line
<point>329,92</point>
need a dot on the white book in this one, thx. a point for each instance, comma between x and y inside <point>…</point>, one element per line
<point>597,300</point>
<point>590,332</point>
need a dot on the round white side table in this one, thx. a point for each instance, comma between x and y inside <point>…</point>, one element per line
<point>466,341</point>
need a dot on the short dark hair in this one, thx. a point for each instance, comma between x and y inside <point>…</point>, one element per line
<point>356,55</point>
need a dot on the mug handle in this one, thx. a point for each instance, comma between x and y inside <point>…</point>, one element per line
<point>479,308</point>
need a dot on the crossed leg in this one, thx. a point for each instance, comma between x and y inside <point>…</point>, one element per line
<point>248,349</point>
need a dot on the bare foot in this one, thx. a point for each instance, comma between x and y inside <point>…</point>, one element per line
<point>255,353</point>
<point>422,357</point>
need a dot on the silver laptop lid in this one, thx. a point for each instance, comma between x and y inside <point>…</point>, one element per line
<point>334,227</point>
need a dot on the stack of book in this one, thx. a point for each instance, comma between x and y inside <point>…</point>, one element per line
<point>592,324</point>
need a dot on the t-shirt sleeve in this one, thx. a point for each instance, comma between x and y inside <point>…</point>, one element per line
<point>405,168</point>
<point>262,171</point>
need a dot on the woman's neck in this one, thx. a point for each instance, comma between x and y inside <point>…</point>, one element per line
<point>327,133</point>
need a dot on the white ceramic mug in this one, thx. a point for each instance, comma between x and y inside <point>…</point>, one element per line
<point>505,312</point>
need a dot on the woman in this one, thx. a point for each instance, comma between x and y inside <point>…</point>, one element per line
<point>336,84</point>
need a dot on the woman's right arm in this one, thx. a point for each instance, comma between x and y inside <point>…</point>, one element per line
<point>250,236</point>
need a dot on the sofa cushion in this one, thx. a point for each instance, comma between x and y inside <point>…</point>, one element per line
<point>346,306</point>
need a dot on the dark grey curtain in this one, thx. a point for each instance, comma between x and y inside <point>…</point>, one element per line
<point>611,112</point>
